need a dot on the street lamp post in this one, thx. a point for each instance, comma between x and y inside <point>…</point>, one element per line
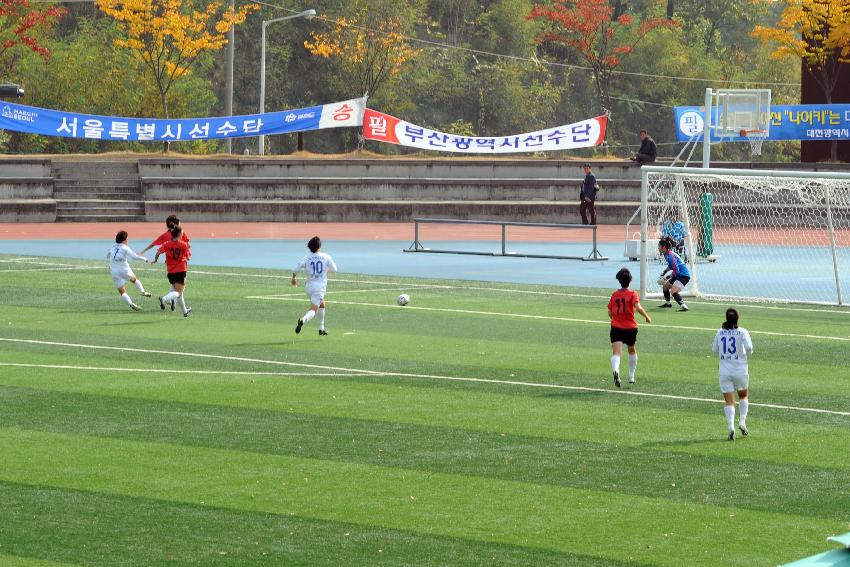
<point>308,14</point>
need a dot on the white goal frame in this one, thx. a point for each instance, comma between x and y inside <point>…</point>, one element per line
<point>653,176</point>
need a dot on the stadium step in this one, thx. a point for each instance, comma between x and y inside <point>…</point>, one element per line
<point>100,218</point>
<point>95,191</point>
<point>617,212</point>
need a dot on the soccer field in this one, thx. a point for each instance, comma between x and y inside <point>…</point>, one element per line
<point>477,426</point>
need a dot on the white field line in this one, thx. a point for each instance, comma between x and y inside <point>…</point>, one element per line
<point>335,293</point>
<point>370,373</point>
<point>540,317</point>
<point>53,269</point>
<point>19,259</point>
<point>172,371</point>
<point>56,264</point>
<point>452,287</point>
<point>407,285</point>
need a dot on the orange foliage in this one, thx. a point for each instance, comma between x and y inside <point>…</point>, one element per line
<point>169,35</point>
<point>376,52</point>
<point>813,30</point>
<point>589,28</point>
<point>19,21</point>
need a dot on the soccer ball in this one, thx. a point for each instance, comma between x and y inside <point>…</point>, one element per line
<point>403,299</point>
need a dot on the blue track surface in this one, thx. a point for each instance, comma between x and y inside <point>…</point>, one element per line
<point>384,258</point>
<point>789,272</point>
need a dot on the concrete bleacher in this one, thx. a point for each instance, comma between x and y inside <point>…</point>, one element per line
<point>130,188</point>
<point>383,190</point>
<point>26,191</point>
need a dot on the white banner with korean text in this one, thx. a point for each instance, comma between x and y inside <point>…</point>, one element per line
<point>385,128</point>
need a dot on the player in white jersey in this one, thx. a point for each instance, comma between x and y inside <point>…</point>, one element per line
<point>317,264</point>
<point>734,346</point>
<point>119,266</point>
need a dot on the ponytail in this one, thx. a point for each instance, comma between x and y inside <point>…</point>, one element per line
<point>731,319</point>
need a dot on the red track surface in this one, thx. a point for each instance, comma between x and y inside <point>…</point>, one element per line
<point>392,231</point>
<point>300,231</point>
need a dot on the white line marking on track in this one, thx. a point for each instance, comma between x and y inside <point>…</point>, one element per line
<point>73,268</point>
<point>360,373</point>
<point>540,317</point>
<point>450,287</point>
<point>172,371</point>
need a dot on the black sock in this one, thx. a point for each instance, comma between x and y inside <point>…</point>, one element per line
<point>667,295</point>
<point>678,298</point>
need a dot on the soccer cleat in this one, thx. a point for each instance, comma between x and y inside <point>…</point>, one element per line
<point>172,305</point>
<point>322,332</point>
<point>631,380</point>
<point>161,304</point>
<point>731,435</point>
<point>135,307</point>
<point>146,293</point>
<point>617,379</point>
<point>743,428</point>
<point>298,326</point>
<point>665,306</point>
<point>683,307</point>
<point>188,310</point>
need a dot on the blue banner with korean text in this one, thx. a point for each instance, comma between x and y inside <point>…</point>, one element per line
<point>33,120</point>
<point>787,122</point>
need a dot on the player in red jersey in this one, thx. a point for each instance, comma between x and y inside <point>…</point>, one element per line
<point>170,223</point>
<point>177,255</point>
<point>624,328</point>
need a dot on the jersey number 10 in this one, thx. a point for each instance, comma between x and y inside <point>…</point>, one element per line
<point>317,267</point>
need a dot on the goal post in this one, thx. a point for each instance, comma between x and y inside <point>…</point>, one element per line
<point>754,235</point>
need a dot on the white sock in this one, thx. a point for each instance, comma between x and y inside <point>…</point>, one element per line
<point>321,314</point>
<point>744,406</point>
<point>182,301</point>
<point>170,296</point>
<point>730,417</point>
<point>632,366</point>
<point>307,316</point>
<point>139,286</point>
<point>615,362</point>
<point>126,299</point>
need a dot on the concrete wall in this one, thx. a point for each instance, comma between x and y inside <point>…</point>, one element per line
<point>463,168</point>
<point>28,210</point>
<point>381,211</point>
<point>380,189</point>
<point>26,190</point>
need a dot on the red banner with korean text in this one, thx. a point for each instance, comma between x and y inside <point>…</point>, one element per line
<point>385,128</point>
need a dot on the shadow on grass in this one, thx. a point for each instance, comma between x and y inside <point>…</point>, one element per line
<point>719,439</point>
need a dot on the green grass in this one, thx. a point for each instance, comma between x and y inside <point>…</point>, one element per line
<point>355,448</point>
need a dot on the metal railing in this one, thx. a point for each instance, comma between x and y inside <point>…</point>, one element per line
<point>595,254</point>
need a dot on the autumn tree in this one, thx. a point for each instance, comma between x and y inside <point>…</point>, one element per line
<point>601,34</point>
<point>370,43</point>
<point>818,32</point>
<point>169,35</point>
<point>20,27</point>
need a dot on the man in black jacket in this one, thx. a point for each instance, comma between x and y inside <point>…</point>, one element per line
<point>589,188</point>
<point>647,152</point>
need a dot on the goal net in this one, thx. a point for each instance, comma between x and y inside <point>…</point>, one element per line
<point>775,236</point>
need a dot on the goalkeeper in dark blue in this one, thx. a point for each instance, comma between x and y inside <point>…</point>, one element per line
<point>679,276</point>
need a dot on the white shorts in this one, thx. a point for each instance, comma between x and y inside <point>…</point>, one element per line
<point>734,383</point>
<point>316,293</point>
<point>121,276</point>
